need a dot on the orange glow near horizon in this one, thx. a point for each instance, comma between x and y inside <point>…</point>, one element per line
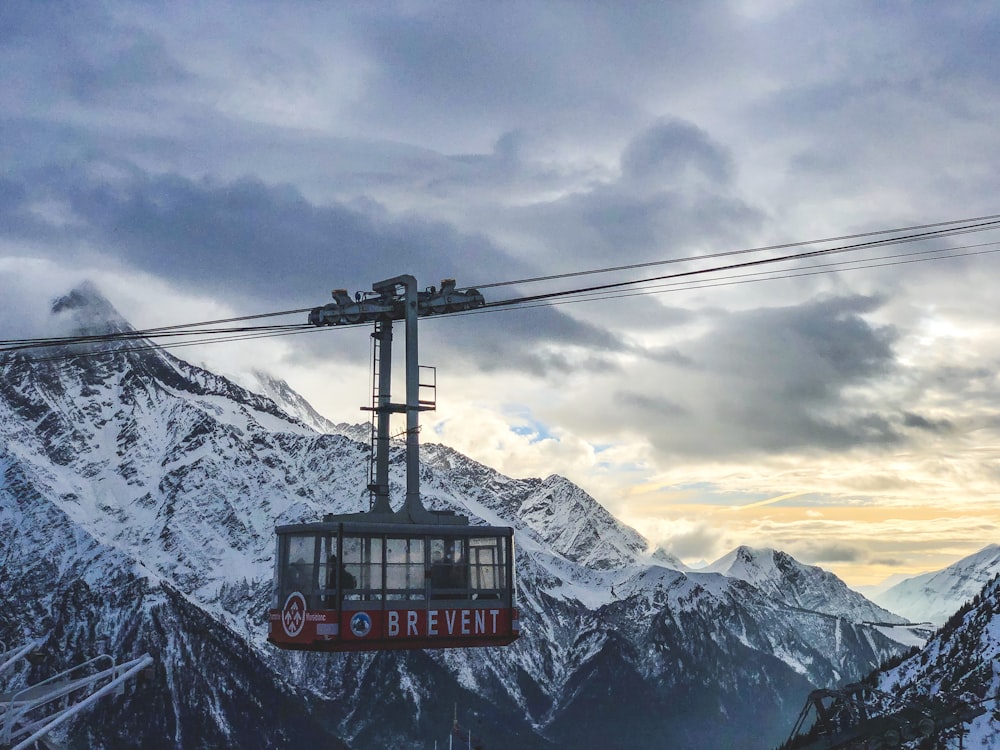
<point>862,544</point>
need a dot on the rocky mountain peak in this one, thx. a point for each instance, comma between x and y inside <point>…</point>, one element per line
<point>89,313</point>
<point>780,575</point>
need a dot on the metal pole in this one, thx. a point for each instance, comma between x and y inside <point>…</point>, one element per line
<point>383,336</point>
<point>412,506</point>
<point>413,502</point>
<point>19,654</point>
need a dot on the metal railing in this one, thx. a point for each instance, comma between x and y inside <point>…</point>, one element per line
<point>16,707</point>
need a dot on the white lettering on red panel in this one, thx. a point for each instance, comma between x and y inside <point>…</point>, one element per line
<point>443,622</point>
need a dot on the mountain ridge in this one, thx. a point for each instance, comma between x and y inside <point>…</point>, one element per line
<point>798,584</point>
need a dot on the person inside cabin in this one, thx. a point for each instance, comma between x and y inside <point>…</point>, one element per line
<point>459,572</point>
<point>347,581</point>
<point>440,571</point>
<point>298,578</point>
<point>449,570</point>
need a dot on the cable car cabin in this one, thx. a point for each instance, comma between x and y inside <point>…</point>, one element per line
<point>356,586</point>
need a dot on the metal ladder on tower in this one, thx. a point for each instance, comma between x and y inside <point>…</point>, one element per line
<point>376,365</point>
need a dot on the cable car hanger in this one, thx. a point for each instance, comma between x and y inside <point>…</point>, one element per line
<point>384,579</point>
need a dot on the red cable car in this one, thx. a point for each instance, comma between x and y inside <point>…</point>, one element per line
<point>413,578</point>
<point>348,585</point>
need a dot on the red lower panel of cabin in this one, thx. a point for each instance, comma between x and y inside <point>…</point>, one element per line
<point>295,627</point>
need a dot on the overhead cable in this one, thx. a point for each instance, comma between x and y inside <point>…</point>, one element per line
<point>674,281</point>
<point>983,226</point>
<point>728,253</point>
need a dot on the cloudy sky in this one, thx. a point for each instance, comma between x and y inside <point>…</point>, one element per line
<point>197,161</point>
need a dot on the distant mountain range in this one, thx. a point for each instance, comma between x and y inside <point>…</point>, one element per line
<point>933,597</point>
<point>138,496</point>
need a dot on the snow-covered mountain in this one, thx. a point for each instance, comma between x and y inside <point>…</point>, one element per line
<point>933,597</point>
<point>138,496</point>
<point>287,399</point>
<point>961,660</point>
<point>807,586</point>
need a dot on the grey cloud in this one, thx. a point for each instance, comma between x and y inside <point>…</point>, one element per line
<point>772,380</point>
<point>505,157</point>
<point>858,114</point>
<point>80,52</point>
<point>507,120</point>
<point>29,22</point>
<point>670,355</point>
<point>493,176</point>
<point>131,70</point>
<point>542,341</point>
<point>247,239</point>
<point>807,352</point>
<point>699,542</point>
<point>521,59</point>
<point>922,423</point>
<point>785,369</point>
<point>652,210</point>
<point>829,553</point>
<point>669,151</point>
<point>12,197</point>
<point>652,406</point>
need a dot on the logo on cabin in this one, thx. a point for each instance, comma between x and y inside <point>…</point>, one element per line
<point>361,624</point>
<point>293,614</point>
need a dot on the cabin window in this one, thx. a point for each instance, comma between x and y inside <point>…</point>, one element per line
<point>363,560</point>
<point>300,574</point>
<point>330,567</point>
<point>487,567</point>
<point>404,569</point>
<point>449,568</point>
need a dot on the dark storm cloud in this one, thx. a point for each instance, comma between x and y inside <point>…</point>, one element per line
<point>786,370</point>
<point>772,380</point>
<point>541,341</point>
<point>249,239</point>
<point>668,151</point>
<point>674,191</point>
<point>923,423</point>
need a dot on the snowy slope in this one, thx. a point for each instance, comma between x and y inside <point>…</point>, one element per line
<point>933,597</point>
<point>962,660</point>
<point>288,400</point>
